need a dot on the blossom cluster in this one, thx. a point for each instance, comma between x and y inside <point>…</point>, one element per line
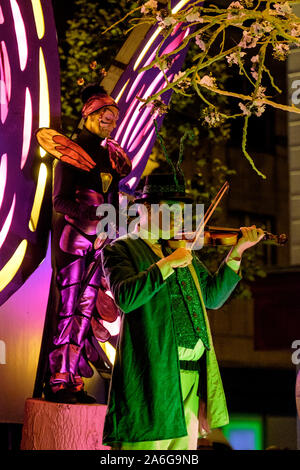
<point>263,29</point>
<point>181,81</point>
<point>157,106</point>
<point>212,117</point>
<point>256,107</point>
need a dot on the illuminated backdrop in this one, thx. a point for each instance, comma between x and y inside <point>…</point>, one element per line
<point>135,131</point>
<point>28,57</point>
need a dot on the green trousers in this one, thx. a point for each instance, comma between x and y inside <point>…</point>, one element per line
<point>189,385</point>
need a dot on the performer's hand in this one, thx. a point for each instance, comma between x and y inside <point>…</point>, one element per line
<point>100,240</point>
<point>179,258</point>
<point>250,237</point>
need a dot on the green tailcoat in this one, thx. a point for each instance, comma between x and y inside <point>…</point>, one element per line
<point>145,399</point>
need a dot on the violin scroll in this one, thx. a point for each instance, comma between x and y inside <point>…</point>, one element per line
<point>279,240</point>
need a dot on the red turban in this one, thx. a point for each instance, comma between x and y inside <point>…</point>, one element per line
<point>96,102</point>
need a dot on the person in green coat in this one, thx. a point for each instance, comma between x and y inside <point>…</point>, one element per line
<point>166,388</point>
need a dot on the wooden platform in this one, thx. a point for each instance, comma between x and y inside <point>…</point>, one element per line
<point>58,426</point>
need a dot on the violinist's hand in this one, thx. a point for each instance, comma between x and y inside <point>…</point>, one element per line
<point>250,237</point>
<point>179,258</point>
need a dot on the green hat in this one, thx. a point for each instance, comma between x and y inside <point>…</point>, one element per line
<point>163,187</point>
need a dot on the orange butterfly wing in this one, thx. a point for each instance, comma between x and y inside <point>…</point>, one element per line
<point>64,149</point>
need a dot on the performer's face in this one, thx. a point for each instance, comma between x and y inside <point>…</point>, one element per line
<point>102,122</point>
<point>175,210</point>
<point>166,218</point>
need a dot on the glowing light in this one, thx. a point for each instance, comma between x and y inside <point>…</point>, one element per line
<point>38,18</point>
<point>6,71</point>
<point>125,119</point>
<point>176,42</point>
<point>142,117</point>
<point>5,82</point>
<point>27,129</point>
<point>134,86</point>
<point>179,5</point>
<point>20,34</point>
<point>136,113</point>
<point>149,60</point>
<point>139,132</point>
<point>147,47</point>
<point>133,119</point>
<point>9,271</point>
<point>132,181</point>
<point>6,226</point>
<point>109,351</point>
<point>121,92</point>
<point>44,107</point>
<point>3,176</point>
<point>1,16</point>
<point>140,153</point>
<point>38,198</point>
<point>154,84</point>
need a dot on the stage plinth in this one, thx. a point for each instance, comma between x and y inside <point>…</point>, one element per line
<point>59,426</point>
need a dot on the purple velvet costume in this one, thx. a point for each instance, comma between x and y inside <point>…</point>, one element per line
<point>76,196</point>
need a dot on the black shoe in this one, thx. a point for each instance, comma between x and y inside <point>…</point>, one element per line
<point>83,397</point>
<point>61,396</point>
<point>70,397</point>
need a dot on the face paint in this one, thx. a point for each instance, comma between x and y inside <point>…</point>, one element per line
<point>108,119</point>
<point>102,122</point>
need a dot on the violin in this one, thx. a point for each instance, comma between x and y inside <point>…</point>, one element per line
<point>219,236</point>
<point>224,236</point>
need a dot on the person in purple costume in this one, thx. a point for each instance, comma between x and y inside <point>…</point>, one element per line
<point>76,196</point>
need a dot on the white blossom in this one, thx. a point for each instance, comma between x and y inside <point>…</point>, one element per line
<point>260,108</point>
<point>235,5</point>
<point>281,50</point>
<point>177,76</point>
<point>248,40</point>
<point>200,43</point>
<point>255,59</point>
<point>148,6</point>
<point>295,31</point>
<point>245,110</point>
<point>213,119</point>
<point>208,81</point>
<point>194,18</point>
<point>165,22</point>
<point>261,92</point>
<point>234,57</point>
<point>281,9</point>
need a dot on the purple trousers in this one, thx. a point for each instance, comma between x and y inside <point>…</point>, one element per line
<point>79,326</point>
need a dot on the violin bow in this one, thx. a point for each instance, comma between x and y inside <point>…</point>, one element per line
<point>214,203</point>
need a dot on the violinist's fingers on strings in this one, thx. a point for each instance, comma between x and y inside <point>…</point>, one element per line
<point>245,233</point>
<point>260,233</point>
<point>253,233</point>
<point>249,233</point>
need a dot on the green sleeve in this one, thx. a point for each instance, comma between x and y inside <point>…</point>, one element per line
<point>218,287</point>
<point>130,288</point>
